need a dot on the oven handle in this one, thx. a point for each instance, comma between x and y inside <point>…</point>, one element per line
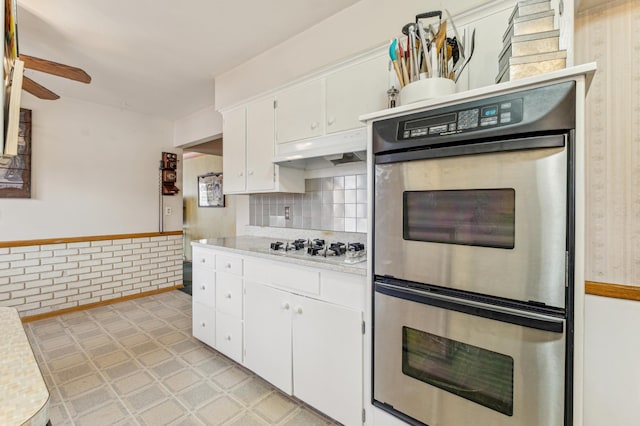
<point>472,307</point>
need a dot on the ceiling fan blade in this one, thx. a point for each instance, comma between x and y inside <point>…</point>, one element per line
<point>37,90</point>
<point>50,67</point>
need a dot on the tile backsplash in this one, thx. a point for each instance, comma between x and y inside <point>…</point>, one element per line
<point>337,203</point>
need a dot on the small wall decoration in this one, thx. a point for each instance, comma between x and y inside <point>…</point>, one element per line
<point>210,190</point>
<point>15,170</point>
<point>168,167</point>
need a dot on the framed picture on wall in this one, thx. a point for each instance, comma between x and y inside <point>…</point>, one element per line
<point>210,190</point>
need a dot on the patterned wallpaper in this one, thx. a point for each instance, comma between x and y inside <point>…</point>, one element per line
<point>610,36</point>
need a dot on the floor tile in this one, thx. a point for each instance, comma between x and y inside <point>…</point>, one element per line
<point>275,407</point>
<point>136,363</point>
<point>145,397</point>
<point>155,357</point>
<point>231,377</point>
<point>219,411</point>
<point>133,382</point>
<point>166,412</point>
<point>306,418</point>
<point>81,405</point>
<point>246,418</point>
<point>252,391</point>
<point>182,379</point>
<point>122,369</point>
<point>199,394</point>
<point>82,385</point>
<point>112,413</point>
<point>111,359</point>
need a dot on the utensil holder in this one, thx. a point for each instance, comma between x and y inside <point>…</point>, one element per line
<point>427,88</point>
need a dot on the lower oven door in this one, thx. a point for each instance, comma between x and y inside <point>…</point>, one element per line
<point>441,361</point>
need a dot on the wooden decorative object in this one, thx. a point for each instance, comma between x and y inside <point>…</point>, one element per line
<point>15,171</point>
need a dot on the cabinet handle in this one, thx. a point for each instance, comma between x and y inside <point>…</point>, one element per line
<point>228,265</point>
<point>285,306</point>
<point>251,173</point>
<point>240,174</point>
<point>314,125</point>
<point>203,260</point>
<point>229,337</point>
<point>204,287</point>
<point>299,309</point>
<point>331,121</point>
<point>203,324</point>
<point>229,295</point>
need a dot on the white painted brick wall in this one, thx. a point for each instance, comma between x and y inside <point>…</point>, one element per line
<point>44,278</point>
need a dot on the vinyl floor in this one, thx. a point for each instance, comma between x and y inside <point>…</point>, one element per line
<point>136,363</point>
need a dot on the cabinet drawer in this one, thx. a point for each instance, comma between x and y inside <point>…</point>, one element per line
<point>204,286</point>
<point>203,258</point>
<point>290,276</point>
<point>204,324</point>
<point>229,336</point>
<point>229,294</point>
<point>230,264</point>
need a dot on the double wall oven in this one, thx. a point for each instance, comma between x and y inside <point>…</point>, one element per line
<point>473,259</point>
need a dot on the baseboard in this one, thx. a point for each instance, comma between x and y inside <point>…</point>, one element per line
<point>45,315</point>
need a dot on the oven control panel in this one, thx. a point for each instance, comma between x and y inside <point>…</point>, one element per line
<point>464,120</point>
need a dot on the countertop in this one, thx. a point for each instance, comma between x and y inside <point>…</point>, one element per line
<point>259,247</point>
<point>24,397</point>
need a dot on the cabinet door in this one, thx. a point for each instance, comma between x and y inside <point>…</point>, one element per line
<point>260,145</point>
<point>234,147</point>
<point>354,91</point>
<point>204,285</point>
<point>229,336</point>
<point>327,358</point>
<point>267,328</point>
<point>299,112</point>
<point>204,323</point>
<point>229,294</point>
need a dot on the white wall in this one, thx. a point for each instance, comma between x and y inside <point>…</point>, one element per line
<point>95,171</point>
<point>201,126</point>
<point>205,222</point>
<point>610,36</point>
<point>612,375</point>
<point>361,27</point>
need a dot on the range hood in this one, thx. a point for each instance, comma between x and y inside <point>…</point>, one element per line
<point>323,151</point>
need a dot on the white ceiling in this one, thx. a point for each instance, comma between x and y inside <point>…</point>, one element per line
<point>157,57</point>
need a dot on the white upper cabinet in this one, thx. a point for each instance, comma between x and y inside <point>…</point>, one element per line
<point>260,146</point>
<point>355,90</point>
<point>332,102</point>
<point>299,112</point>
<point>234,148</point>
<point>248,145</point>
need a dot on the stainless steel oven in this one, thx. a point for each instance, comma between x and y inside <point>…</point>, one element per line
<point>472,260</point>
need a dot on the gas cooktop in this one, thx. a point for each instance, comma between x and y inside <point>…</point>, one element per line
<point>321,250</point>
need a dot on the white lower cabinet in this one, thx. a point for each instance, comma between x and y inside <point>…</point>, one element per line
<point>327,358</point>
<point>267,318</point>
<point>204,323</point>
<point>306,347</point>
<point>299,328</point>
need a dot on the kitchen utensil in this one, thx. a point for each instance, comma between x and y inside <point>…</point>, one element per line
<point>423,43</point>
<point>403,63</point>
<point>414,53</point>
<point>455,33</point>
<point>394,58</point>
<point>471,49</point>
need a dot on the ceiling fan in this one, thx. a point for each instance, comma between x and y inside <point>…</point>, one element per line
<point>53,68</point>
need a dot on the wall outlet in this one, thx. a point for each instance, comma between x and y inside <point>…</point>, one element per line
<point>167,211</point>
<point>287,213</point>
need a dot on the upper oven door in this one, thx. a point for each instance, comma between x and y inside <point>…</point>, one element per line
<point>492,223</point>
